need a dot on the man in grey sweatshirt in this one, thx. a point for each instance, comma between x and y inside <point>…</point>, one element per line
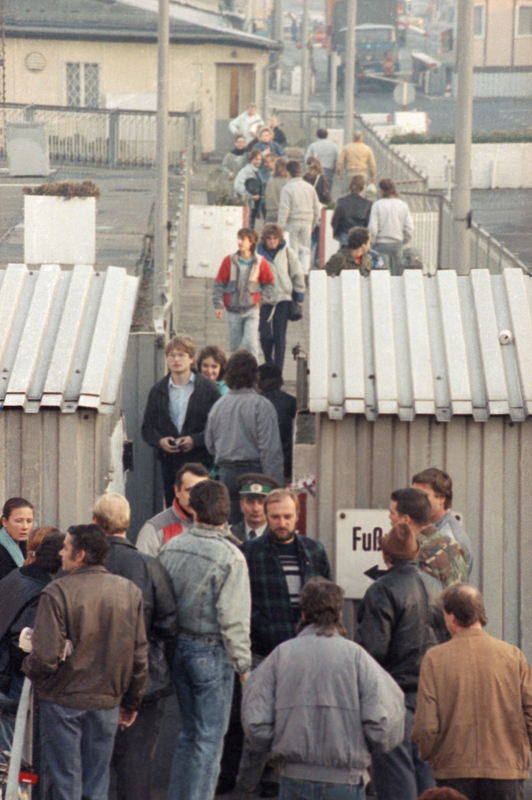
<point>299,213</point>
<point>243,431</point>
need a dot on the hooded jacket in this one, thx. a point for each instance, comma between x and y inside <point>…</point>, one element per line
<point>289,278</point>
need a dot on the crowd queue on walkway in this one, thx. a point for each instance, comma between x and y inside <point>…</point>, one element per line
<point>223,601</point>
<point>278,190</point>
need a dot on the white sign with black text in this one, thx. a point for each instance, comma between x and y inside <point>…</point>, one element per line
<point>358,535</point>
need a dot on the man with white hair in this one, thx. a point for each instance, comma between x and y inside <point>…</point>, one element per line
<point>134,747</point>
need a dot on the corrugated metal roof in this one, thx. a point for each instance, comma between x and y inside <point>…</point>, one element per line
<point>418,344</point>
<point>63,336</point>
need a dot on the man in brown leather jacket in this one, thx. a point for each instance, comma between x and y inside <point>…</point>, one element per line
<point>89,664</point>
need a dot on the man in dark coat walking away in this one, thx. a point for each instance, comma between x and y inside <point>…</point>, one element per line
<point>134,747</point>
<point>399,619</point>
<point>176,413</point>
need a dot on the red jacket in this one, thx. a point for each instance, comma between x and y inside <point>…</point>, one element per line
<point>239,288</point>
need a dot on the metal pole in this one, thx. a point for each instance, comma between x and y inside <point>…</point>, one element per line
<point>305,76</point>
<point>19,734</point>
<point>349,70</point>
<point>161,192</point>
<point>334,80</point>
<point>461,255</point>
<point>277,27</point>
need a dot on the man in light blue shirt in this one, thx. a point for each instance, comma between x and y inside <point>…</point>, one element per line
<point>326,152</point>
<point>178,396</point>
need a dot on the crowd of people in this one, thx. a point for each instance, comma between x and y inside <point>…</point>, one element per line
<point>224,603</point>
<point>278,190</point>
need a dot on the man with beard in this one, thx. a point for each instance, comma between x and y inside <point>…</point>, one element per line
<point>280,563</point>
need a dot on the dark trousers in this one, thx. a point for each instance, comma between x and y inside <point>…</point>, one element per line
<point>229,473</point>
<point>134,751</point>
<point>402,774</point>
<point>168,469</point>
<point>234,739</point>
<point>486,788</point>
<point>272,330</point>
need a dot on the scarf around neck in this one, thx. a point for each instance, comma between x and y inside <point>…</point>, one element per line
<point>12,547</point>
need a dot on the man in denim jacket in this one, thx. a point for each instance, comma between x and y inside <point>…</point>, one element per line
<point>211,584</point>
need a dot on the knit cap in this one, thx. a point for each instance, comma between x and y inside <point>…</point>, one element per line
<point>400,542</point>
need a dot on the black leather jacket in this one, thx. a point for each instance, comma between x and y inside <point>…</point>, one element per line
<point>399,619</point>
<point>160,612</point>
<point>19,593</point>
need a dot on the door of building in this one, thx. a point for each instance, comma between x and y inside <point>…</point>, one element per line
<point>234,92</point>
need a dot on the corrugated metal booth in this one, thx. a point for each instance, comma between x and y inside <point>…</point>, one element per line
<point>63,341</point>
<point>416,371</point>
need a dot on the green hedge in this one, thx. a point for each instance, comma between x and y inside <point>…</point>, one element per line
<point>494,137</point>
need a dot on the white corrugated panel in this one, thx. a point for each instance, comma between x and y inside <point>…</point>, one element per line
<point>415,344</point>
<point>64,336</point>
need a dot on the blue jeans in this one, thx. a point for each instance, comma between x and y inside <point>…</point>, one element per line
<point>243,330</point>
<point>76,749</point>
<point>402,774</point>
<point>229,473</point>
<point>343,238</point>
<point>272,331</point>
<point>203,678</point>
<point>312,790</point>
<point>391,253</point>
<point>329,174</point>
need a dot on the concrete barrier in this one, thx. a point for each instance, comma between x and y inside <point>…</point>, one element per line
<point>505,165</point>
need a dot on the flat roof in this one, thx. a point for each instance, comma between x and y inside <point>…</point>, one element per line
<point>415,344</point>
<point>112,20</point>
<point>64,336</point>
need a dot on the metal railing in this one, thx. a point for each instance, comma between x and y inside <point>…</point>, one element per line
<point>300,129</point>
<point>106,137</point>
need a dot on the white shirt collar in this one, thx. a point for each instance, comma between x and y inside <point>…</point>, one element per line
<point>172,385</point>
<point>256,531</point>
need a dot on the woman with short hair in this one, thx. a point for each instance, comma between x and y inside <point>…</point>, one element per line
<point>212,362</point>
<point>243,281</point>
<point>289,286</point>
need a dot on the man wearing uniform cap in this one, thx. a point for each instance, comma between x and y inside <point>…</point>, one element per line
<point>399,619</point>
<point>254,489</point>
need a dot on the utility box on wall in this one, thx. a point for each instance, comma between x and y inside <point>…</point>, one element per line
<point>27,149</point>
<point>212,234</point>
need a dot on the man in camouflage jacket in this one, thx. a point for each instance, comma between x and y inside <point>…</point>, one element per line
<point>439,555</point>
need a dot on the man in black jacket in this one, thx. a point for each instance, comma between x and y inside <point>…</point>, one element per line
<point>176,413</point>
<point>135,746</point>
<point>352,210</point>
<point>270,383</point>
<point>399,619</point>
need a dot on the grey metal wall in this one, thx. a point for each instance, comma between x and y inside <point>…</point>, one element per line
<point>59,462</point>
<point>144,366</point>
<point>358,464</point>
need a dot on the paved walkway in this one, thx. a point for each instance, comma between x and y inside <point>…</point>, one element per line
<point>196,310</point>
